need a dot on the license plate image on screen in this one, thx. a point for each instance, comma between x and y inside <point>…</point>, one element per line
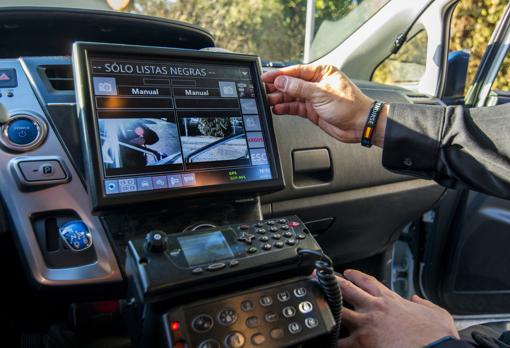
<point>177,123</point>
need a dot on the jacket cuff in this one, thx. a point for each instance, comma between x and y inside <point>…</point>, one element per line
<point>455,344</point>
<point>412,139</point>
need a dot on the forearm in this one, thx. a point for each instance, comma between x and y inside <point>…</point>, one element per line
<point>456,147</point>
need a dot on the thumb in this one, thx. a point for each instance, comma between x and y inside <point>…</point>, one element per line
<point>296,87</point>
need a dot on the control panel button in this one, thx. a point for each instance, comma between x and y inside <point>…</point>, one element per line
<point>260,230</point>
<point>233,263</point>
<point>197,270</point>
<point>252,322</point>
<point>258,339</point>
<point>291,241</point>
<point>276,236</point>
<point>252,250</point>
<point>247,306</point>
<point>34,171</point>
<point>294,224</point>
<point>259,224</point>
<point>266,301</point>
<point>299,292</point>
<point>305,307</point>
<point>244,227</point>
<point>311,322</point>
<point>282,221</point>
<point>267,246</point>
<point>271,222</point>
<point>227,317</point>
<point>8,78</point>
<point>283,296</point>
<point>277,333</point>
<point>295,328</point>
<point>210,343</point>
<point>284,227</point>
<point>270,317</point>
<point>216,266</point>
<point>264,238</point>
<point>273,229</point>
<point>22,131</point>
<point>235,340</point>
<point>279,244</point>
<point>289,312</point>
<point>301,236</point>
<point>202,323</point>
<point>288,234</point>
<point>246,237</point>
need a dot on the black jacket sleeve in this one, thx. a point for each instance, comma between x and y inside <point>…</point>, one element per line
<point>454,146</point>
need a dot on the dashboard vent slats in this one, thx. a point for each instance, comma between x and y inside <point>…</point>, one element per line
<point>60,77</point>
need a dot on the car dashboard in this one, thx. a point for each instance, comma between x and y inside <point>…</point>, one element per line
<point>324,186</point>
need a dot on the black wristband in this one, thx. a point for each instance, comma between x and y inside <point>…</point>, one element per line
<point>369,130</point>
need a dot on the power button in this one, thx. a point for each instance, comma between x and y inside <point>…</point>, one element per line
<point>22,131</point>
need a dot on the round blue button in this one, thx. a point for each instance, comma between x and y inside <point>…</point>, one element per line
<point>22,131</point>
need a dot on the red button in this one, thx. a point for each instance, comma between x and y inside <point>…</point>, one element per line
<point>294,224</point>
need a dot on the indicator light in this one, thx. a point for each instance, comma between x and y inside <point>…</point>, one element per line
<point>174,326</point>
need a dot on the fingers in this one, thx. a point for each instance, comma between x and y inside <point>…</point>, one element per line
<point>417,299</point>
<point>292,108</point>
<point>296,87</point>
<point>353,294</point>
<point>351,319</point>
<point>348,342</point>
<point>365,282</point>
<point>279,98</point>
<point>305,72</point>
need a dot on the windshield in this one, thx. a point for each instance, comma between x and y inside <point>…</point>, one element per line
<point>272,29</point>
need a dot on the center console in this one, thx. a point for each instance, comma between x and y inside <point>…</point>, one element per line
<point>178,144</point>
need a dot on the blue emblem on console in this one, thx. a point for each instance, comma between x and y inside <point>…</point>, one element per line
<point>76,235</point>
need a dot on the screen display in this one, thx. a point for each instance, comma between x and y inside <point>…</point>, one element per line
<point>205,248</point>
<point>172,124</point>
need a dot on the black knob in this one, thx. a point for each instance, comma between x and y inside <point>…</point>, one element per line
<point>156,241</point>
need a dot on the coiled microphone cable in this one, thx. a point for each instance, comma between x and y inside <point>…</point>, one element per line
<point>328,283</point>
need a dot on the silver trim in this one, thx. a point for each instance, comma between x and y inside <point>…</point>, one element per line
<point>21,205</point>
<point>60,104</point>
<point>42,131</point>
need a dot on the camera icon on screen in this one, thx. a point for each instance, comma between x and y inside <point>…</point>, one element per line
<point>105,86</point>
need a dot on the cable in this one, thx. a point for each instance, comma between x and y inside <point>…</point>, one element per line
<point>401,38</point>
<point>328,283</point>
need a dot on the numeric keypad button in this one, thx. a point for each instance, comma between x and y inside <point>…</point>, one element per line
<point>311,322</point>
<point>305,307</point>
<point>227,317</point>
<point>235,340</point>
<point>202,323</point>
<point>295,328</point>
<point>289,312</point>
<point>210,343</point>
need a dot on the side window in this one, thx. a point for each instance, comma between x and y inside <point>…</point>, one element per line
<point>472,25</point>
<point>407,66</point>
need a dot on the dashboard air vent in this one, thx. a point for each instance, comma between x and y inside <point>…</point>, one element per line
<point>60,77</point>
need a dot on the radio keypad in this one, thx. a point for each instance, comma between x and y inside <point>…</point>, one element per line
<point>254,319</point>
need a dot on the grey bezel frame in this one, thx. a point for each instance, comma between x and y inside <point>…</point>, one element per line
<point>94,172</point>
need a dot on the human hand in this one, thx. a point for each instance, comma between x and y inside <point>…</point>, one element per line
<point>325,96</point>
<point>381,318</point>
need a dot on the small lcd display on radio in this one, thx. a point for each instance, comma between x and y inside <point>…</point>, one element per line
<point>205,248</point>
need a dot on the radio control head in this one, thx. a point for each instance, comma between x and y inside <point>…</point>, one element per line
<point>156,241</point>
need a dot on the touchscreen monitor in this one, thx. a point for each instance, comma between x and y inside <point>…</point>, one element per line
<point>162,123</point>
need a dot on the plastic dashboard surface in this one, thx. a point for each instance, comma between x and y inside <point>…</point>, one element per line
<point>161,123</point>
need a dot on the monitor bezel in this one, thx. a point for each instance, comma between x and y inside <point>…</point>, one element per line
<point>89,126</point>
